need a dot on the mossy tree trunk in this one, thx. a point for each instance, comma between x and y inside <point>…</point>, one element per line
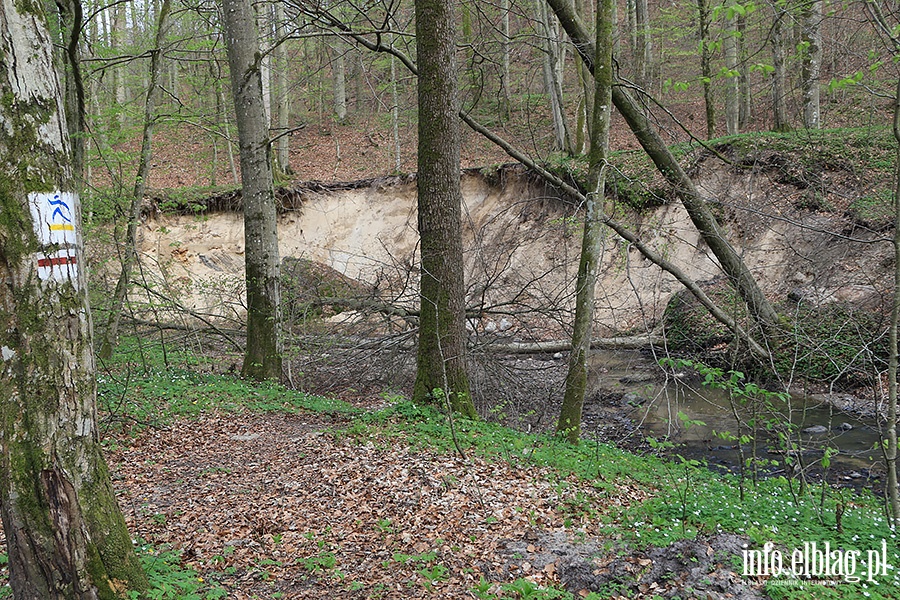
<point>263,357</point>
<point>591,243</point>
<point>66,535</point>
<point>441,359</point>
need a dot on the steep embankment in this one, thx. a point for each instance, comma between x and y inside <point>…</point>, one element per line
<point>801,239</point>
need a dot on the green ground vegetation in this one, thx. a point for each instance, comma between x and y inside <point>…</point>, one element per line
<point>144,385</point>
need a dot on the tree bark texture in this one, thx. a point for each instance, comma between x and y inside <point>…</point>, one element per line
<point>780,120</point>
<point>729,260</point>
<point>65,534</point>
<point>263,357</point>
<point>569,423</point>
<point>441,359</point>
<point>811,39</point>
<point>553,62</point>
<point>282,96</point>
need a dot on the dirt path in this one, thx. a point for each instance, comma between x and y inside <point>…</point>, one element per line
<point>265,504</point>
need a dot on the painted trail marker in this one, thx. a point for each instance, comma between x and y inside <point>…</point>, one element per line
<point>54,217</point>
<point>58,266</point>
<point>54,224</point>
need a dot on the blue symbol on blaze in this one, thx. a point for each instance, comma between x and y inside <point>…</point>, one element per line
<point>57,202</point>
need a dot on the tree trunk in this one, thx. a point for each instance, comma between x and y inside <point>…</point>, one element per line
<point>743,69</point>
<point>644,51</point>
<point>811,40</point>
<point>890,450</point>
<point>339,81</point>
<point>732,82</point>
<point>129,252</point>
<point>505,92</point>
<point>395,110</point>
<point>730,261</point>
<point>117,36</point>
<point>441,359</point>
<point>71,17</point>
<point>66,536</point>
<point>591,245</point>
<point>282,98</point>
<point>552,71</point>
<point>779,108</point>
<point>262,359</point>
<point>706,68</point>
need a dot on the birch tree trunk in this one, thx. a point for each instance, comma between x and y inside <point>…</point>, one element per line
<point>441,355</point>
<point>263,358</point>
<point>811,39</point>
<point>569,423</point>
<point>65,534</point>
<point>129,251</point>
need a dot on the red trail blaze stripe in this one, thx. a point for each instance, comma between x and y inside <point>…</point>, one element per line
<point>57,260</point>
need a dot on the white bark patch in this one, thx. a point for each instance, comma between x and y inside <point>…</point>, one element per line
<point>30,70</point>
<point>7,353</point>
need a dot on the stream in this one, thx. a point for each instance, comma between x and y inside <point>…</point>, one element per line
<point>682,411</point>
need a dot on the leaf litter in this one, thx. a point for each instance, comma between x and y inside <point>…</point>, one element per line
<point>269,504</point>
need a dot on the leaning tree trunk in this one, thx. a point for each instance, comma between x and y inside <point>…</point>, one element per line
<point>66,536</point>
<point>569,423</point>
<point>441,359</point>
<point>701,216</point>
<point>262,359</point>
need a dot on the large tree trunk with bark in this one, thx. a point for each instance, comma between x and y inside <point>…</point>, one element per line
<point>569,423</point>
<point>441,360</point>
<point>263,357</point>
<point>65,534</point>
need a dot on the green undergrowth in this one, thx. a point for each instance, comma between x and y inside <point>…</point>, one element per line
<point>148,384</point>
<point>684,498</point>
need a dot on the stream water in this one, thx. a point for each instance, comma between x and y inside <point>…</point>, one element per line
<point>679,409</point>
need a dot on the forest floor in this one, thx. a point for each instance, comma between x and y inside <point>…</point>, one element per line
<point>309,505</point>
